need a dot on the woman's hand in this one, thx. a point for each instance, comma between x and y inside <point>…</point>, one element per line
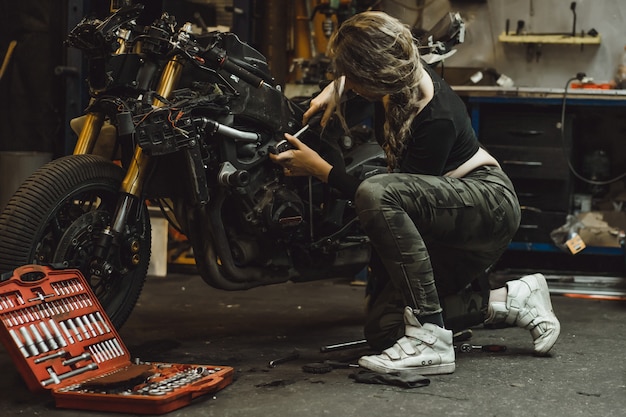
<point>326,101</point>
<point>302,160</point>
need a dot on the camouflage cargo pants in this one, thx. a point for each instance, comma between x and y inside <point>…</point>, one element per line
<point>433,235</point>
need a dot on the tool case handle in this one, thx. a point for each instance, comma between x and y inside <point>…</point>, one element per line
<point>29,273</point>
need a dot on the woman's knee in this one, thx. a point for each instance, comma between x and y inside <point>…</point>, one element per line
<point>375,192</point>
<point>368,195</point>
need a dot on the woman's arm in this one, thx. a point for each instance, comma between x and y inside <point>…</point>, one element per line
<point>326,100</point>
<point>302,160</point>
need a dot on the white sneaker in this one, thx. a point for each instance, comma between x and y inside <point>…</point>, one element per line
<point>528,306</point>
<point>425,349</point>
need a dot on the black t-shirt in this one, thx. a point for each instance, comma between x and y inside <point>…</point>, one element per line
<point>442,139</point>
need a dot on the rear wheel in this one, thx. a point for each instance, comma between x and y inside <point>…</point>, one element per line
<point>57,217</point>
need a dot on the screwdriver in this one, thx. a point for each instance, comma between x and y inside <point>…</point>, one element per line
<point>284,144</point>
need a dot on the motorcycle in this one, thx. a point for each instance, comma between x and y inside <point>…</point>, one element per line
<point>185,122</point>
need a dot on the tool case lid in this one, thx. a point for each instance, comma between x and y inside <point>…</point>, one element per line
<point>55,328</point>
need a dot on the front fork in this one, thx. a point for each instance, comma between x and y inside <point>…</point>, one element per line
<point>138,167</point>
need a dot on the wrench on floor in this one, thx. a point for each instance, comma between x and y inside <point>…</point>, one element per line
<point>468,347</point>
<point>294,355</point>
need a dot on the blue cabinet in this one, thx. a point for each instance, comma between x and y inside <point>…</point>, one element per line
<point>548,142</point>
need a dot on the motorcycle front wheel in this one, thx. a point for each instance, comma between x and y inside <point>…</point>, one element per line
<point>57,217</point>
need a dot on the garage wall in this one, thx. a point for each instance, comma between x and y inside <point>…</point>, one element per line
<point>224,18</point>
<point>548,66</point>
<point>30,44</point>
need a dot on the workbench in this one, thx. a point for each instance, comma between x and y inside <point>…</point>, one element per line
<point>537,133</point>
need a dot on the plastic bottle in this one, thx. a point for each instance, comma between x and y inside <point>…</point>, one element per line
<point>620,74</point>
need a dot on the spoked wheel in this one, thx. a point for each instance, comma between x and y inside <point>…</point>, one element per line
<point>58,216</point>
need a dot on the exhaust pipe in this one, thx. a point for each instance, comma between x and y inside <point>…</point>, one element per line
<point>217,266</point>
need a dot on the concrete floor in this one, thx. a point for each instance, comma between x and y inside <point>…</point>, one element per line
<point>180,319</point>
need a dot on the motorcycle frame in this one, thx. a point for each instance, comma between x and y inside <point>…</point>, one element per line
<point>137,170</point>
<point>139,165</point>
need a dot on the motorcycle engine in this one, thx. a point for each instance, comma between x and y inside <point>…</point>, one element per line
<point>282,210</point>
<point>273,211</point>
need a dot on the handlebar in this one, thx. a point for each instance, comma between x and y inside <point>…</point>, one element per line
<point>99,39</point>
<point>219,57</point>
<point>95,37</point>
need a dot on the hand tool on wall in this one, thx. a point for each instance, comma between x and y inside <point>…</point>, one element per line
<point>573,9</point>
<point>521,25</point>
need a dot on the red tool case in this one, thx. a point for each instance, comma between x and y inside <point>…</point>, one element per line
<point>60,339</point>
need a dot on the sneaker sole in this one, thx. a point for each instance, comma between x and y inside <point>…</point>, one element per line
<point>441,369</point>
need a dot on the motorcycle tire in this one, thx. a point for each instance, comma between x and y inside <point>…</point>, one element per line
<point>56,218</point>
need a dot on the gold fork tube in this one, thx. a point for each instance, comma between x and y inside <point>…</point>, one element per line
<point>169,79</point>
<point>93,122</point>
<point>139,166</point>
<point>89,134</point>
<point>136,173</point>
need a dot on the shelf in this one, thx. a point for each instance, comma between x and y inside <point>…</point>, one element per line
<point>561,39</point>
<point>549,247</point>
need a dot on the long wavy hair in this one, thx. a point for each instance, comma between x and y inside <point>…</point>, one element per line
<point>378,53</point>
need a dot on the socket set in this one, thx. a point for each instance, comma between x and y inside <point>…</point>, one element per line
<point>61,340</point>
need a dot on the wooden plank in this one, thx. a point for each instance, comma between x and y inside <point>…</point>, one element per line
<point>550,39</point>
